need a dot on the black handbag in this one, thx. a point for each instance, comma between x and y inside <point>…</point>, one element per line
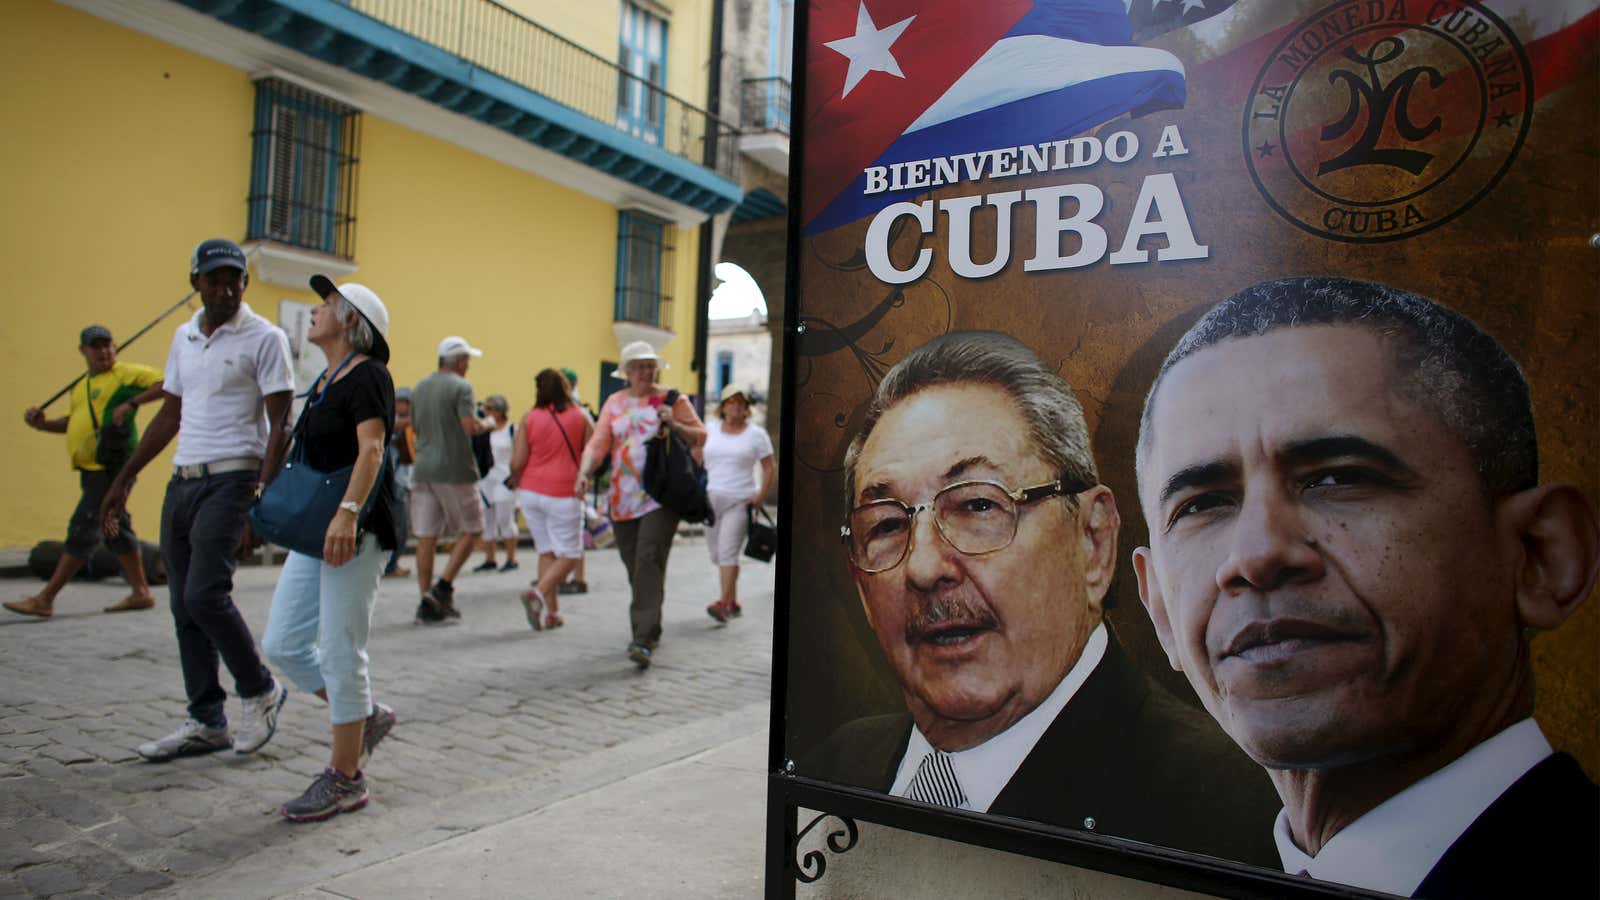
<point>295,509</point>
<point>672,476</point>
<point>762,540</point>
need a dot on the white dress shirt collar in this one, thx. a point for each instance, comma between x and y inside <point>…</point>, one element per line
<point>1396,844</point>
<point>983,771</point>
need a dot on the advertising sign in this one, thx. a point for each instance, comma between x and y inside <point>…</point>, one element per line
<point>1193,437</point>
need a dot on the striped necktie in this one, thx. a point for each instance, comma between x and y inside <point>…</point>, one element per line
<point>935,781</point>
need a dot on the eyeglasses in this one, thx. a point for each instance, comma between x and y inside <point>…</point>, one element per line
<point>974,517</point>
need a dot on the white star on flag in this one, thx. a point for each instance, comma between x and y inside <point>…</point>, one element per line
<point>1194,4</point>
<point>868,48</point>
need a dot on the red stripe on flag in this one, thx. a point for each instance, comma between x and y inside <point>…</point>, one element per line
<point>845,134</point>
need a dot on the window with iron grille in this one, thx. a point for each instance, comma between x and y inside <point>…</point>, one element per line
<point>644,269</point>
<point>303,169</point>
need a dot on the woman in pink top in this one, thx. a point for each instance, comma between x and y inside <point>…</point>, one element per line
<point>643,527</point>
<point>544,467</point>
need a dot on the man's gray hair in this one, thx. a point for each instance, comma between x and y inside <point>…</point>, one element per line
<point>1448,362</point>
<point>1042,397</point>
<point>357,329</point>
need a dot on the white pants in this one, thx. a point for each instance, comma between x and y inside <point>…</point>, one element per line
<point>725,537</point>
<point>500,519</point>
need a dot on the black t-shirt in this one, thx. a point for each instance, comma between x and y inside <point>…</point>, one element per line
<point>329,430</point>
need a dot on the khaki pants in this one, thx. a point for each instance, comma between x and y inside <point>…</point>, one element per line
<point>644,543</point>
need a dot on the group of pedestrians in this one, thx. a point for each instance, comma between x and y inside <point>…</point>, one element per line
<point>226,392</point>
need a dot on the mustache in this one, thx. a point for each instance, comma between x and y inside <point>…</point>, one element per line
<point>944,610</point>
<point>1281,618</point>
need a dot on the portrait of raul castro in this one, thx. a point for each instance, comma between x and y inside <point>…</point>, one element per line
<point>1350,549</point>
<point>982,546</point>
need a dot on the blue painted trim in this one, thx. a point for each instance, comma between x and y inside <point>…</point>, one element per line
<point>428,69</point>
<point>759,204</point>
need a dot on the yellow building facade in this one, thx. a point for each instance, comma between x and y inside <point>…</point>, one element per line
<point>541,228</point>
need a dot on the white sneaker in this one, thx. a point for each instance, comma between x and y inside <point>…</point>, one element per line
<point>191,739</point>
<point>260,718</point>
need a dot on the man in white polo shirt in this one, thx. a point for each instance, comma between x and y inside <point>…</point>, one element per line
<point>229,383</point>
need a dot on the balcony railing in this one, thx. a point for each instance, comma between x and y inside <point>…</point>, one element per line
<point>521,50</point>
<point>765,106</point>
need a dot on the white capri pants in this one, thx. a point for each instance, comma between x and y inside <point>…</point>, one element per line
<point>499,519</point>
<point>556,523</point>
<point>725,537</point>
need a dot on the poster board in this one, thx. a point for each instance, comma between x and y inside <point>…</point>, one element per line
<point>1087,181</point>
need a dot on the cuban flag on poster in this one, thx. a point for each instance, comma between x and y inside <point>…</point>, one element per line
<point>892,81</point>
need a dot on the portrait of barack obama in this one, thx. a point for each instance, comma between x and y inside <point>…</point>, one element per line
<point>1349,551</point>
<point>982,545</point>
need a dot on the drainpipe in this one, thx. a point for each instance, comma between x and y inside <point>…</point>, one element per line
<point>702,311</point>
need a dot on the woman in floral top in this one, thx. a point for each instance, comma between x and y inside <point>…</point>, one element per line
<point>643,527</point>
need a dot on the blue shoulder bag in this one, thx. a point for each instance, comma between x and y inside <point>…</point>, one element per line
<point>295,509</point>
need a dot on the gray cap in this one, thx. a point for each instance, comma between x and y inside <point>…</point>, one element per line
<point>402,393</point>
<point>93,333</point>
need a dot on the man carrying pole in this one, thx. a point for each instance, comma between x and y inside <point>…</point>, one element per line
<point>110,393</point>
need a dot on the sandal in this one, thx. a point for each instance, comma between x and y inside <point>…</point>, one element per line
<point>533,605</point>
<point>29,607</point>
<point>551,620</point>
<point>132,602</point>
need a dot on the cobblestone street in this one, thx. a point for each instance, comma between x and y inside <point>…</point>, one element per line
<point>495,720</point>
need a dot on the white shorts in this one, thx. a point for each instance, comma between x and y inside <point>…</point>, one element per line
<point>556,523</point>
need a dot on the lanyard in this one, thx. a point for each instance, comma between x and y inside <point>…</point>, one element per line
<point>311,392</point>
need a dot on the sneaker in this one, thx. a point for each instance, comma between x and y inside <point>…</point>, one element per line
<point>532,606</point>
<point>720,611</point>
<point>443,597</point>
<point>488,566</point>
<point>330,794</point>
<point>735,610</point>
<point>191,739</point>
<point>510,566</point>
<point>573,587</point>
<point>260,718</point>
<point>428,613</point>
<point>375,729</point>
<point>640,654</point>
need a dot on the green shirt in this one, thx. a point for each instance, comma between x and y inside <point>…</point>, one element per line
<point>444,451</point>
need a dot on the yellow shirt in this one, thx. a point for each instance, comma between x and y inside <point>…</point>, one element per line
<point>99,389</point>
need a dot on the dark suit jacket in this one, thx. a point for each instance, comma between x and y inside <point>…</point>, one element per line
<point>1539,839</point>
<point>1123,752</point>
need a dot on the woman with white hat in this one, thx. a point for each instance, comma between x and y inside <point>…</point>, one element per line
<point>321,610</point>
<point>643,527</point>
<point>734,447</point>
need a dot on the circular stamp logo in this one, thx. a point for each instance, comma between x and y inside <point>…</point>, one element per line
<point>1377,120</point>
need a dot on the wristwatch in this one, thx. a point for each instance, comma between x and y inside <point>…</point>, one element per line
<point>351,506</point>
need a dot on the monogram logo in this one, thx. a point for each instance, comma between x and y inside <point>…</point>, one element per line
<point>1381,103</point>
<point>1377,120</point>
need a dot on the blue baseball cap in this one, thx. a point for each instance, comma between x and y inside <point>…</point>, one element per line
<point>214,254</point>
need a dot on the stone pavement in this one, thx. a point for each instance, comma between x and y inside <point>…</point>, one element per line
<point>495,721</point>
